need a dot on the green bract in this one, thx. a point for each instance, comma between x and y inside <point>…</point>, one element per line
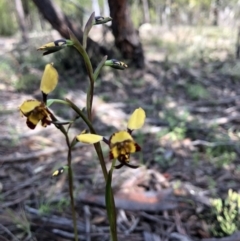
<point>55,46</point>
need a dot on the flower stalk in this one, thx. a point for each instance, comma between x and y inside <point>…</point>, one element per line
<point>97,146</point>
<point>121,143</point>
<point>70,185</point>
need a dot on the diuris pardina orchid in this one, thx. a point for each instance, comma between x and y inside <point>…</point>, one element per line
<point>121,143</point>
<point>36,111</point>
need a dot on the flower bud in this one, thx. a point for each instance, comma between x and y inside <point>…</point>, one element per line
<point>116,64</point>
<point>55,46</point>
<point>101,20</point>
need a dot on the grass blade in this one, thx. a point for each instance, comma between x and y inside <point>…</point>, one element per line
<point>110,205</point>
<point>87,29</point>
<point>99,67</point>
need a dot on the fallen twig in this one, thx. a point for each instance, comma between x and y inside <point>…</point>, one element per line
<point>13,238</point>
<point>32,156</point>
<point>233,237</point>
<point>16,201</point>
<point>135,201</point>
<point>179,237</point>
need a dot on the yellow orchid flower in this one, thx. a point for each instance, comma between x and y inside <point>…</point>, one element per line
<point>121,143</point>
<point>36,110</point>
<point>121,146</point>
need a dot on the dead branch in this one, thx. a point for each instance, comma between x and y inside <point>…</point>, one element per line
<point>6,230</point>
<point>10,159</point>
<point>234,237</point>
<point>135,201</point>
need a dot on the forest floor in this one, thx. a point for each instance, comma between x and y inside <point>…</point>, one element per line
<point>190,90</point>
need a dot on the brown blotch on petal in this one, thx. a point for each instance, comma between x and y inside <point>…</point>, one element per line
<point>138,148</point>
<point>124,158</point>
<point>30,124</point>
<point>110,155</point>
<point>46,121</point>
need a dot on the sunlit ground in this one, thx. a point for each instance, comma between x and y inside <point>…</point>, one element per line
<point>190,91</point>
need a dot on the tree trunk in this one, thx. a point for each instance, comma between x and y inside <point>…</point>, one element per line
<point>61,23</point>
<point>95,7</point>
<point>159,14</point>
<point>215,12</point>
<point>238,44</point>
<point>105,8</point>
<point>146,11</point>
<point>21,20</point>
<point>126,37</point>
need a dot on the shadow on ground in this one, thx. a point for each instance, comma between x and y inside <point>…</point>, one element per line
<point>190,153</point>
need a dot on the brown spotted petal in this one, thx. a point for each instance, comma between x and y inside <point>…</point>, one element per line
<point>121,146</point>
<point>35,111</point>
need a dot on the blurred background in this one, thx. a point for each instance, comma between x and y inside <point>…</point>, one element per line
<point>183,70</point>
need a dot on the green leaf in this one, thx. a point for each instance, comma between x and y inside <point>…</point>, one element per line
<point>110,204</point>
<point>52,101</point>
<point>99,67</point>
<point>87,29</point>
<point>76,42</point>
<point>49,102</point>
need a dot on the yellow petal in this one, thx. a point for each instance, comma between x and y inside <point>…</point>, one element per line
<point>54,45</point>
<point>89,138</point>
<point>49,79</point>
<point>137,119</point>
<point>114,152</point>
<point>28,106</point>
<point>120,136</point>
<point>132,147</point>
<point>33,119</point>
<point>48,45</point>
<point>58,172</point>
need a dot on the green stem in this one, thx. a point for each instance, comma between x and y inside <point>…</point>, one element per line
<point>92,76</point>
<point>98,149</point>
<point>110,204</point>
<point>70,184</point>
<point>89,100</point>
<point>89,68</point>
<point>91,86</point>
<point>81,114</point>
<point>97,146</point>
<point>70,176</point>
<point>99,67</point>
